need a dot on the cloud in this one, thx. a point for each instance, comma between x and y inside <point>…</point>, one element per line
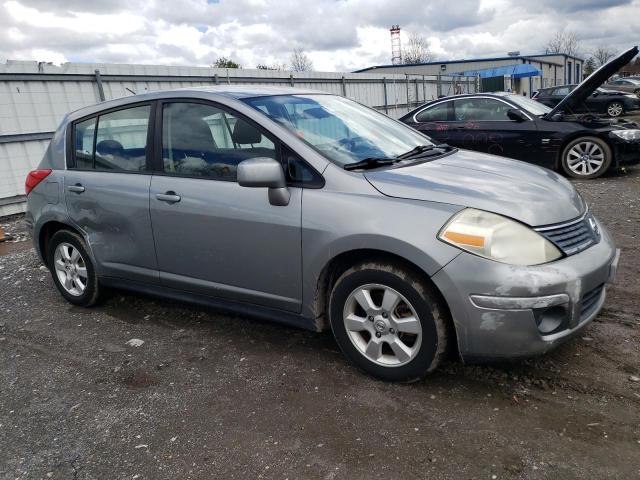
<point>337,35</point>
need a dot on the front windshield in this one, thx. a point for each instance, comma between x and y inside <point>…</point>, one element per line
<point>342,130</point>
<point>532,106</point>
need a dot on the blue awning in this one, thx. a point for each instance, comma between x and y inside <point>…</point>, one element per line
<point>518,70</point>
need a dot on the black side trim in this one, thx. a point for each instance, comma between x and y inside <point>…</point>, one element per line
<point>228,306</point>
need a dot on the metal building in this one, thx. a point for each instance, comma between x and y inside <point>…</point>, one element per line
<point>541,71</point>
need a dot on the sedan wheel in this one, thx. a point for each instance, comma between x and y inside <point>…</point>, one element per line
<point>587,157</point>
<point>615,109</point>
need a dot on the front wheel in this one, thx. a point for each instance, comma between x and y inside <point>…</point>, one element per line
<point>388,322</point>
<point>586,157</point>
<point>615,109</point>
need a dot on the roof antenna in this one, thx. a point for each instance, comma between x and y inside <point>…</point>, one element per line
<point>128,89</point>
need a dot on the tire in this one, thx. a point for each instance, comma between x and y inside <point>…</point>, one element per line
<point>615,109</point>
<point>637,92</point>
<point>586,157</point>
<point>415,323</point>
<point>69,258</point>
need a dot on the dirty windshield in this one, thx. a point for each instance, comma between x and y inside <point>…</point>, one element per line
<point>342,130</point>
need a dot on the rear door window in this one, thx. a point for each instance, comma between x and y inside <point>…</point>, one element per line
<point>200,140</point>
<point>114,141</point>
<point>437,113</point>
<point>122,140</point>
<point>561,92</point>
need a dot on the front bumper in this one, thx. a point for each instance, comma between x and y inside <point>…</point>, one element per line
<point>505,311</point>
<point>625,152</point>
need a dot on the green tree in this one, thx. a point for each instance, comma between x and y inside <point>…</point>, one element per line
<point>224,62</point>
<point>589,66</point>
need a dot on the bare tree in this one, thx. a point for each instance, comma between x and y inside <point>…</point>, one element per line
<point>299,61</point>
<point>416,49</point>
<point>564,42</point>
<point>602,55</point>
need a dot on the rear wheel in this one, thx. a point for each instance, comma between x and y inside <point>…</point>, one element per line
<point>388,322</point>
<point>72,269</point>
<point>615,109</point>
<point>586,157</point>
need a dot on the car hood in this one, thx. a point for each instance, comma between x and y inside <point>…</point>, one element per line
<point>530,194</point>
<point>578,95</point>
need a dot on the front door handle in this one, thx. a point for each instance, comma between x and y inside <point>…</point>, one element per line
<point>169,197</point>
<point>77,188</point>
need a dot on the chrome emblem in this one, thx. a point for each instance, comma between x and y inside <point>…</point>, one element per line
<point>379,326</point>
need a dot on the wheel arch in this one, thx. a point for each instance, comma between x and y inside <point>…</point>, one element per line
<point>47,231</point>
<point>341,262</point>
<point>585,133</point>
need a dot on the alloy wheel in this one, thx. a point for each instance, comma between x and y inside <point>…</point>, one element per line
<point>382,325</point>
<point>585,158</point>
<point>615,109</point>
<point>70,269</point>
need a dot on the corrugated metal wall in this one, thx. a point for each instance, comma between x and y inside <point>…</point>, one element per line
<point>35,96</point>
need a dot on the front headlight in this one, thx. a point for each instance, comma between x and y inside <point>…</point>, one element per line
<point>498,238</point>
<point>627,134</point>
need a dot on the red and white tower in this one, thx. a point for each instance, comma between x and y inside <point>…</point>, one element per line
<point>396,45</point>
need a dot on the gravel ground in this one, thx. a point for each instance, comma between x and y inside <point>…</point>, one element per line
<point>214,396</point>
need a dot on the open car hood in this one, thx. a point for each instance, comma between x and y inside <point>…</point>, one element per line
<point>578,95</point>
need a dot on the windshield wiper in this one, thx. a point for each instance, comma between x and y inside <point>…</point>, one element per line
<point>371,162</point>
<point>420,149</point>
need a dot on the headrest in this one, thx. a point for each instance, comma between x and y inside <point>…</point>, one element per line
<point>191,132</point>
<point>109,147</point>
<point>244,133</point>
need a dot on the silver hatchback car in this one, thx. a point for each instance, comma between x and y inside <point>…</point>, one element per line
<point>313,210</point>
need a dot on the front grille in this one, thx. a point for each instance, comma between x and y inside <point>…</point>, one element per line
<point>572,237</point>
<point>590,301</point>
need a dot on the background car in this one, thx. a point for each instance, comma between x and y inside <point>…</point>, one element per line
<point>629,85</point>
<point>602,101</point>
<point>518,127</point>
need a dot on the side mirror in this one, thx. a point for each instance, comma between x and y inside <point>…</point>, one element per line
<point>517,115</point>
<point>264,172</point>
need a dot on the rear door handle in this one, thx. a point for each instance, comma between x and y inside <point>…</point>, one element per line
<point>77,188</point>
<point>169,197</point>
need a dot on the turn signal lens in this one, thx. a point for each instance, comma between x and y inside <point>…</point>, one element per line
<point>464,239</point>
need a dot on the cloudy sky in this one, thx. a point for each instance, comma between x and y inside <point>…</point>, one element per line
<point>337,34</point>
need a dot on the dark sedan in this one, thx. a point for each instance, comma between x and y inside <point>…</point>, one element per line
<point>602,101</point>
<point>582,145</point>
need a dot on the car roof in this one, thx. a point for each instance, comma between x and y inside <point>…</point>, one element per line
<point>234,92</point>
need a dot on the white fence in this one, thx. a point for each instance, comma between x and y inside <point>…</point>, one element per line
<point>35,96</point>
